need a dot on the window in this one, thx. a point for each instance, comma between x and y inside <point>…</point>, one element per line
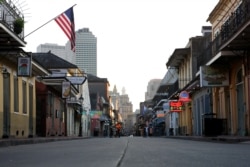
<point>49,111</point>
<point>24,98</point>
<point>31,100</point>
<point>239,77</point>
<point>56,113</point>
<point>16,94</point>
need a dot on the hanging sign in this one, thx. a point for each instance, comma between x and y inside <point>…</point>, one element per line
<point>66,89</point>
<point>211,76</point>
<point>184,96</point>
<point>24,66</point>
<point>176,106</point>
<point>79,80</point>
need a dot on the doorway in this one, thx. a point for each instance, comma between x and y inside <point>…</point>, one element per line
<point>6,105</point>
<point>240,104</point>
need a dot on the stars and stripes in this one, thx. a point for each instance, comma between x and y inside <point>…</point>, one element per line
<point>66,22</point>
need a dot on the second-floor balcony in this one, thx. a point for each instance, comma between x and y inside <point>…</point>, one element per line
<point>234,36</point>
<point>11,26</point>
<point>235,32</point>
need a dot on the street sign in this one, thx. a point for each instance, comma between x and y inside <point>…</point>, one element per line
<point>77,80</point>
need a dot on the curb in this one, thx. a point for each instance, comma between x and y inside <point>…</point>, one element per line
<point>212,139</point>
<point>15,142</point>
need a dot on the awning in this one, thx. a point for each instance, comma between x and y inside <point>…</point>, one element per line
<point>177,57</point>
<point>221,55</point>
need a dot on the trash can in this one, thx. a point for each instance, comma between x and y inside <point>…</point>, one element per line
<point>213,126</point>
<point>171,131</point>
<point>96,132</point>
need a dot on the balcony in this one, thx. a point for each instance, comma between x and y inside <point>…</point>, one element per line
<point>232,40</point>
<point>8,14</point>
<point>235,32</point>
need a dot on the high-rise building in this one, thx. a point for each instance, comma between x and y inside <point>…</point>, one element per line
<point>152,87</point>
<point>86,51</point>
<point>63,52</point>
<point>122,104</point>
<point>85,56</point>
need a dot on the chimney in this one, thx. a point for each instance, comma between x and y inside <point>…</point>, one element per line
<point>206,30</point>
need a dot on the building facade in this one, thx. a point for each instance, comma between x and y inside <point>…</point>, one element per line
<point>230,22</point>
<point>17,81</point>
<point>191,120</point>
<point>100,105</point>
<point>59,112</point>
<point>213,73</point>
<point>86,51</point>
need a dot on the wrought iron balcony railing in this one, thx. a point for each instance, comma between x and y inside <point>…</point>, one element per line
<point>8,14</point>
<point>235,21</point>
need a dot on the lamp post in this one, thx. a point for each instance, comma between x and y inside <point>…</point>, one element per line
<point>80,126</point>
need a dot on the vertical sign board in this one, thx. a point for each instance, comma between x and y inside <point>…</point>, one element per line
<point>66,89</point>
<point>24,66</point>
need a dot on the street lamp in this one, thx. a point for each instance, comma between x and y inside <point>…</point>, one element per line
<point>5,72</point>
<point>81,110</point>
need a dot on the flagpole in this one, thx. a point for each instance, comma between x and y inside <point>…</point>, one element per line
<point>45,23</point>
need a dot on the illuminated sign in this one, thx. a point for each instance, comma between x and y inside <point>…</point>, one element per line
<point>176,106</point>
<point>160,114</point>
<point>184,96</point>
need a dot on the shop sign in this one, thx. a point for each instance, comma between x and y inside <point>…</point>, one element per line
<point>66,89</point>
<point>24,66</point>
<point>79,80</point>
<point>184,96</point>
<point>176,106</point>
<point>211,76</point>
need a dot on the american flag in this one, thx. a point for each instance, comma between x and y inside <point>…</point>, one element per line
<point>66,22</point>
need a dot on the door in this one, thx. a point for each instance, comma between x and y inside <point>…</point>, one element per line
<point>30,111</point>
<point>240,104</point>
<point>6,107</point>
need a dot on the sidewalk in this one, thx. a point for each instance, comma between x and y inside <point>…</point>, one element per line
<point>20,141</point>
<point>225,139</point>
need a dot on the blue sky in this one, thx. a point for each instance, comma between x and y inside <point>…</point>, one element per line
<point>134,37</point>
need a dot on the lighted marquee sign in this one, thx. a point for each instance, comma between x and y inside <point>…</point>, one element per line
<point>176,106</point>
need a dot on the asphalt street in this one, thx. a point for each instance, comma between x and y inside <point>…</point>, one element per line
<point>126,152</point>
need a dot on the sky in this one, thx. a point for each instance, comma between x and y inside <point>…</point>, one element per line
<point>135,38</point>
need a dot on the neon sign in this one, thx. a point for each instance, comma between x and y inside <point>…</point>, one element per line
<point>184,96</point>
<point>176,106</point>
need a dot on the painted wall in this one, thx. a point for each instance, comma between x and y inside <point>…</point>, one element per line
<point>17,104</point>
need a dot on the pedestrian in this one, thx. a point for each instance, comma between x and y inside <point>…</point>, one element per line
<point>110,132</point>
<point>118,133</point>
<point>118,130</point>
<point>146,131</point>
